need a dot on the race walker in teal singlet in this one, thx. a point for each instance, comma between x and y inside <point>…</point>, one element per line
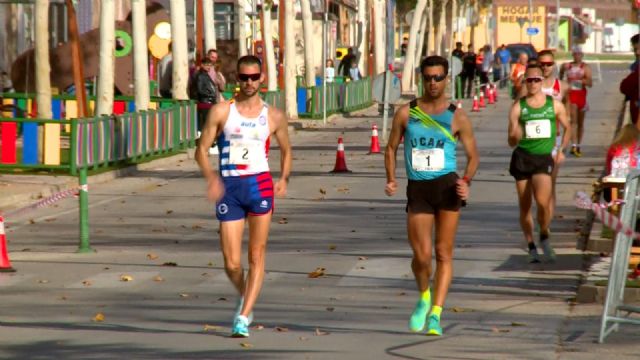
<point>429,146</point>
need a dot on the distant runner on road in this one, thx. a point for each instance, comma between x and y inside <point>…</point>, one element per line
<point>579,77</point>
<point>431,127</point>
<point>532,131</point>
<point>243,188</point>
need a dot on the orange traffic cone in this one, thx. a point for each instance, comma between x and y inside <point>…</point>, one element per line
<point>5,264</point>
<point>491,97</point>
<point>341,162</point>
<point>495,93</point>
<point>375,144</point>
<point>481,102</point>
<point>475,107</point>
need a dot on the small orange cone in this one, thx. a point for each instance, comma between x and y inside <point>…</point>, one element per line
<point>481,102</point>
<point>5,264</point>
<point>375,144</point>
<point>491,97</point>
<point>495,93</point>
<point>341,162</point>
<point>475,107</point>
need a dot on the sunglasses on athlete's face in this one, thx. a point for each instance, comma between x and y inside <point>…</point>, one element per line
<point>246,77</point>
<point>437,78</point>
<point>534,79</point>
<point>547,63</point>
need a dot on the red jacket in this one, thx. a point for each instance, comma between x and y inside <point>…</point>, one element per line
<point>629,87</point>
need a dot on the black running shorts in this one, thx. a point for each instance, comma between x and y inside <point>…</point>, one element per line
<point>524,165</point>
<point>429,196</point>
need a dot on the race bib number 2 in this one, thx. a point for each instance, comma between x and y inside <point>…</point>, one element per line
<point>243,152</point>
<point>538,129</point>
<point>427,159</point>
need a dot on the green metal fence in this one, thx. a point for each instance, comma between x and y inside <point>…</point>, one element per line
<point>357,95</point>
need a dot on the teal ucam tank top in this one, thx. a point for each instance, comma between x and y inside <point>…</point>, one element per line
<point>429,145</point>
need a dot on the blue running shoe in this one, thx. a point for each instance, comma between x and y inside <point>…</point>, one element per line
<point>240,327</point>
<point>419,315</point>
<point>548,251</point>
<point>433,327</point>
<point>239,305</point>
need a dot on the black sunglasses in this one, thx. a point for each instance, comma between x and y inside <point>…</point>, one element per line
<point>533,79</point>
<point>437,78</point>
<point>547,63</point>
<point>246,77</point>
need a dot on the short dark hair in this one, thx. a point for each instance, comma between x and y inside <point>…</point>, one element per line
<point>533,66</point>
<point>458,43</point>
<point>635,39</point>
<point>434,60</point>
<point>212,50</point>
<point>249,60</point>
<point>546,52</point>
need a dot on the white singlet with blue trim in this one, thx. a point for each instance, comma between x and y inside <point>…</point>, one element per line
<point>244,143</point>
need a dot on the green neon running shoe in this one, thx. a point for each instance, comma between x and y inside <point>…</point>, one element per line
<point>433,327</point>
<point>419,315</point>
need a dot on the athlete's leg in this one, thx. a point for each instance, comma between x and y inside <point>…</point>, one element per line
<point>231,244</point>
<point>580,131</point>
<point>573,116</point>
<point>446,226</point>
<point>541,184</point>
<point>419,227</point>
<point>258,234</point>
<point>524,201</point>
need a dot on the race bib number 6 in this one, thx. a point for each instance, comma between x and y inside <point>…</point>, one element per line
<point>243,152</point>
<point>427,159</point>
<point>538,129</point>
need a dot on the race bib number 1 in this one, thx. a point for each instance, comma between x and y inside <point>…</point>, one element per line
<point>427,159</point>
<point>243,152</point>
<point>538,129</point>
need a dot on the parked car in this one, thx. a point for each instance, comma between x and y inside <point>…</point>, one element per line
<point>516,49</point>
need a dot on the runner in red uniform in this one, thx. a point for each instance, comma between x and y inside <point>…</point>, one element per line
<point>579,77</point>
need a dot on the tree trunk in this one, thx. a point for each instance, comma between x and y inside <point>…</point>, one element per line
<point>290,59</point>
<point>439,42</point>
<point>269,54</point>
<point>307,30</point>
<point>43,80</point>
<point>242,36</point>
<point>140,54</point>
<point>431,47</point>
<point>409,64</point>
<point>454,24</point>
<point>362,36</point>
<point>104,101</point>
<point>179,51</point>
<point>379,35</point>
<point>209,25</point>
<point>421,36</point>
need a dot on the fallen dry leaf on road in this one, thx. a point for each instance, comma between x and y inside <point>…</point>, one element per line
<point>196,226</point>
<point>259,327</point>
<point>332,247</point>
<point>317,273</point>
<point>87,283</point>
<point>246,345</point>
<point>518,324</point>
<point>208,327</point>
<point>158,278</point>
<point>169,212</point>
<point>283,221</point>
<point>323,191</point>
<point>98,318</point>
<point>152,256</point>
<point>43,281</point>
<point>31,221</point>
<point>343,189</point>
<point>184,295</point>
<point>280,329</point>
<point>126,278</point>
<point>363,258</point>
<point>460,309</point>
<point>222,299</point>
<point>302,338</point>
<point>498,330</point>
<point>319,332</point>
<point>330,309</point>
<point>170,263</point>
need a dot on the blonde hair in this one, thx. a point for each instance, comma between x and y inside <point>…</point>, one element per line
<point>628,135</point>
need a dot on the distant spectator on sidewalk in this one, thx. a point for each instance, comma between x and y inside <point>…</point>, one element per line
<point>635,43</point>
<point>354,72</point>
<point>629,85</point>
<point>468,71</point>
<point>217,77</point>
<point>505,65</point>
<point>204,91</point>
<point>345,64</point>
<point>165,75</point>
<point>487,65</point>
<point>330,71</point>
<point>458,53</point>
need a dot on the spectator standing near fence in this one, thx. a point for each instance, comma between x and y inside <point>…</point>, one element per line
<point>468,71</point>
<point>505,65</point>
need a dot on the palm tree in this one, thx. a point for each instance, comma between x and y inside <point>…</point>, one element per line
<point>209,25</point>
<point>289,59</point>
<point>43,76</point>
<point>439,41</point>
<point>307,30</point>
<point>104,101</point>
<point>180,52</point>
<point>140,54</point>
<point>362,37</point>
<point>379,35</point>
<point>409,64</point>
<point>272,77</point>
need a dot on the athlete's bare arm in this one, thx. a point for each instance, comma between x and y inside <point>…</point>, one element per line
<point>515,130</point>
<point>462,127</point>
<point>397,130</point>
<point>588,76</point>
<point>213,126</point>
<point>562,119</point>
<point>281,131</point>
<point>563,68</point>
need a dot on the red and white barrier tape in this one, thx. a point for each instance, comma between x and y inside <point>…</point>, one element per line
<point>583,201</point>
<point>48,200</point>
